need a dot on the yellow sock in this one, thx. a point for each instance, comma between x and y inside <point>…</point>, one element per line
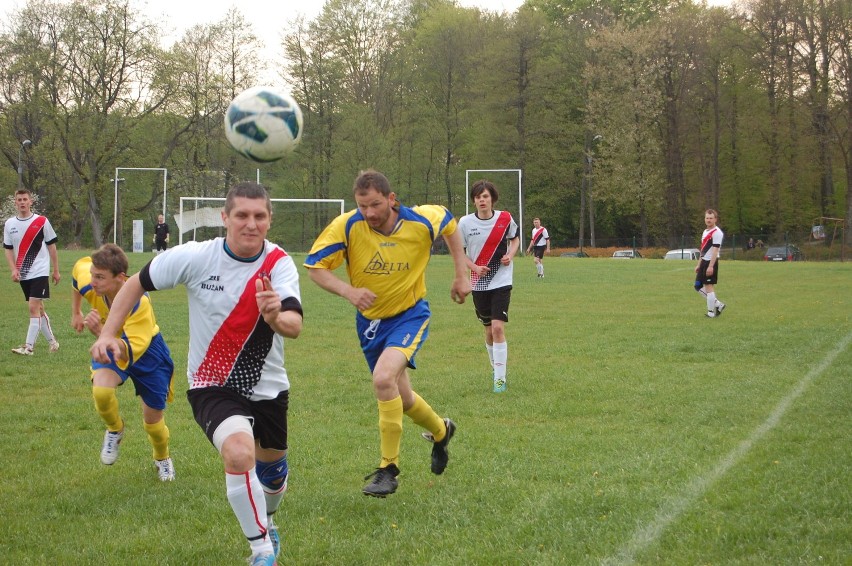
<point>423,415</point>
<point>390,430</point>
<point>158,436</point>
<point>106,404</point>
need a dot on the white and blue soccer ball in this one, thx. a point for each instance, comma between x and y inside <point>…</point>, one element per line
<point>263,123</point>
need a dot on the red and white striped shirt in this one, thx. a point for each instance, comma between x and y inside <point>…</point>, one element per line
<point>29,238</point>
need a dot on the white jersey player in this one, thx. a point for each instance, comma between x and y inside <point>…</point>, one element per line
<point>707,270</point>
<point>243,301</point>
<point>30,246</point>
<point>491,241</point>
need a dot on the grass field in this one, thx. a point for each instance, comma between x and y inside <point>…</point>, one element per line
<point>634,430</point>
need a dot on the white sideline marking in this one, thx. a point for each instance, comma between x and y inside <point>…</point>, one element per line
<point>672,509</point>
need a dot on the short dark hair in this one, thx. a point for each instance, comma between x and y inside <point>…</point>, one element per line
<point>481,186</point>
<point>247,190</point>
<point>371,179</point>
<point>712,211</point>
<point>112,258</point>
<point>23,192</point>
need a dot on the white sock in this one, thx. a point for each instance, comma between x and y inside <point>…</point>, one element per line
<point>490,349</point>
<point>273,500</point>
<point>46,330</point>
<point>247,500</point>
<point>711,302</point>
<point>32,332</point>
<point>501,354</point>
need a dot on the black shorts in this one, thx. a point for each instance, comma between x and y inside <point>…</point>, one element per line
<point>702,272</point>
<point>36,288</point>
<point>492,305</point>
<point>212,405</point>
<point>538,251</point>
<point>160,245</point>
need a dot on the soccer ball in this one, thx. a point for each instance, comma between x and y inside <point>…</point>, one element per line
<point>263,124</point>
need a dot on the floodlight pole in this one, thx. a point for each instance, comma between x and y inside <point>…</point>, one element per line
<point>116,180</point>
<point>590,195</point>
<point>24,144</point>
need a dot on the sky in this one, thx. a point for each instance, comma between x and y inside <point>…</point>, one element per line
<point>267,18</point>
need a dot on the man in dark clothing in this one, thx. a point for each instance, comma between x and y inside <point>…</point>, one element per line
<point>161,235</point>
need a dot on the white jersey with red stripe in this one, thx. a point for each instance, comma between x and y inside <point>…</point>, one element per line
<point>710,238</point>
<point>29,238</point>
<point>540,236</point>
<point>230,345</point>
<point>485,242</point>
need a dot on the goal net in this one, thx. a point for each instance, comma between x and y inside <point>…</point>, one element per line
<point>295,222</point>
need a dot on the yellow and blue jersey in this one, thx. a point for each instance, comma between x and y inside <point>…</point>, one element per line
<point>393,266</point>
<point>139,328</point>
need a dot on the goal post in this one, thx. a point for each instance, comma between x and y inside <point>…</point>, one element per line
<point>502,179</point>
<point>118,229</point>
<point>295,221</point>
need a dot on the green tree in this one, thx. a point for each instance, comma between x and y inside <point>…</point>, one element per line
<point>91,67</point>
<point>443,50</point>
<point>843,73</point>
<point>625,109</point>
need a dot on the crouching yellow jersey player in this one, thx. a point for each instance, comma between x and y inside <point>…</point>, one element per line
<point>145,358</point>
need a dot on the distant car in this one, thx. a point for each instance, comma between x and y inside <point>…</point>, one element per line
<point>627,254</point>
<point>574,254</point>
<point>683,253</point>
<point>787,252</point>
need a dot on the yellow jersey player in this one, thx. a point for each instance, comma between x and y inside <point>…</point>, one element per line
<point>386,248</point>
<point>144,358</point>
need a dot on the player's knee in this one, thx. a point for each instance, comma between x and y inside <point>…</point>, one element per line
<point>104,397</point>
<point>273,475</point>
<point>234,440</point>
<point>698,285</point>
<point>237,456</point>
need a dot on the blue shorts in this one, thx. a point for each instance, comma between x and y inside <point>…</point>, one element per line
<point>406,332</point>
<point>151,374</point>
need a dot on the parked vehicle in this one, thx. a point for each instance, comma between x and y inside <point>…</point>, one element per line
<point>786,252</point>
<point>683,253</point>
<point>627,254</point>
<point>574,254</point>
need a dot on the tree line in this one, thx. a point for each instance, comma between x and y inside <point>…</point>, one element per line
<point>626,118</point>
